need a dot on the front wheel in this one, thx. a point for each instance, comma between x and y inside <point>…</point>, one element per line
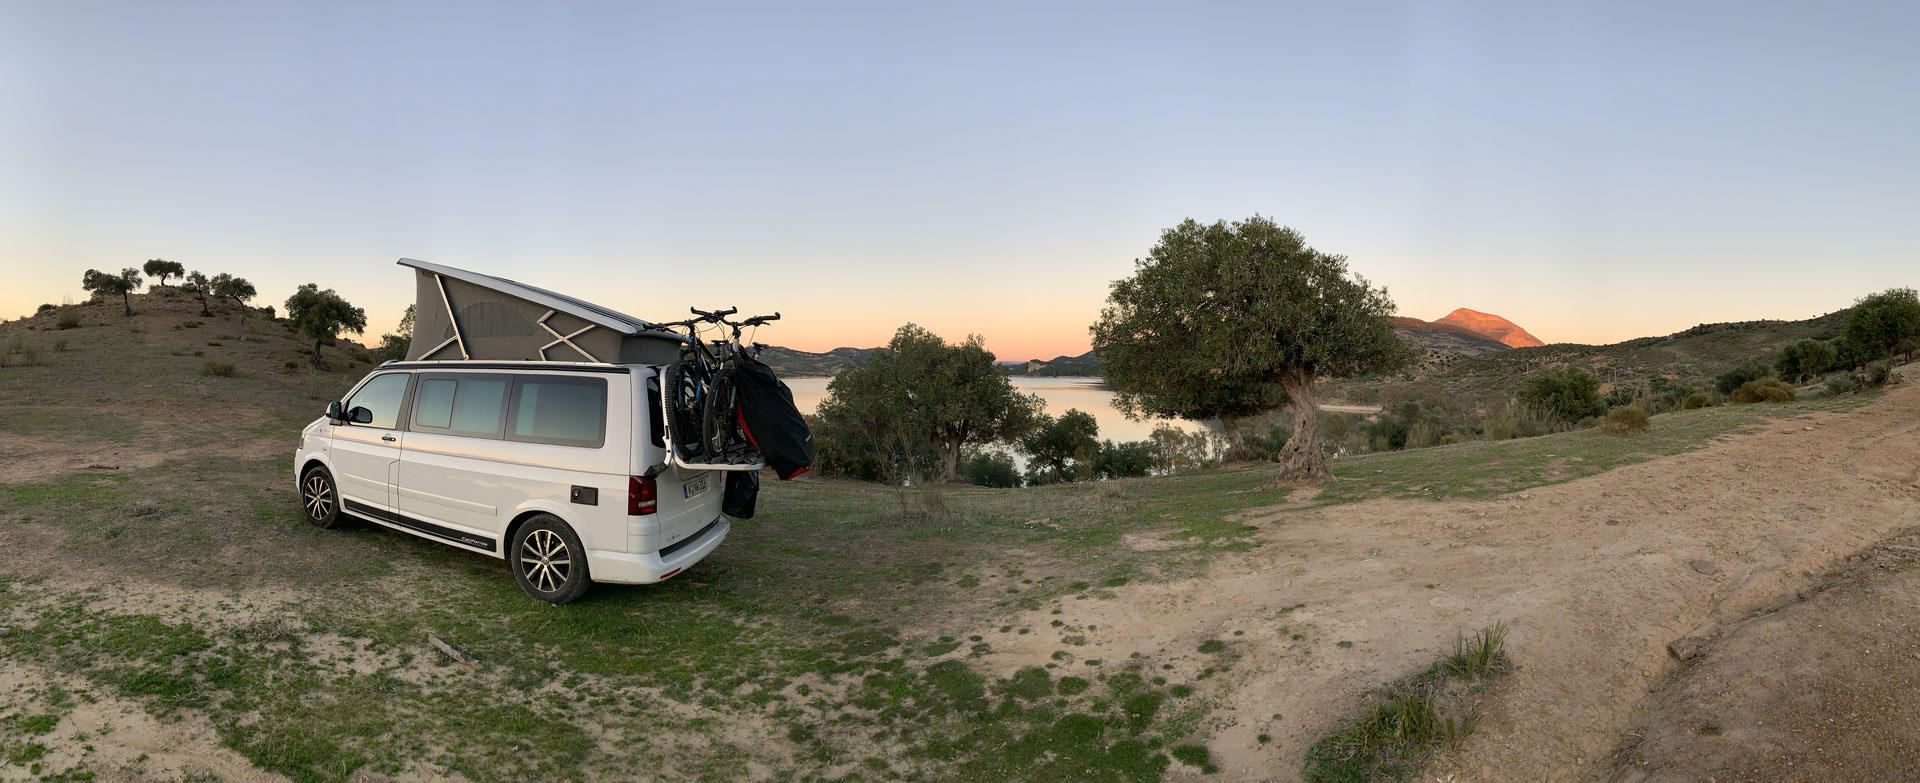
<point>319,499</point>
<point>685,391</point>
<point>548,560</point>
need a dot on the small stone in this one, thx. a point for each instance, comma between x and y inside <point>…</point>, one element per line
<point>4,631</point>
<point>1704,567</point>
<point>1613,521</point>
<point>1683,649</point>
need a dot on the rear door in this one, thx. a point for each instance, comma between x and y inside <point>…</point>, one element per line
<point>366,456</point>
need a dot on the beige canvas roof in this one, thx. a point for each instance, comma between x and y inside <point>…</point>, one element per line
<point>461,314</point>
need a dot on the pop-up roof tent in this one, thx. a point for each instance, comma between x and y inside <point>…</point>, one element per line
<point>462,315</point>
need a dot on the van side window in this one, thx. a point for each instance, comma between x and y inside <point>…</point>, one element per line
<point>382,397</point>
<point>560,411</point>
<point>469,405</point>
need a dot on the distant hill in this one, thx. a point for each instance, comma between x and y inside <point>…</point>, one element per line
<point>1691,356</point>
<point>1446,337</point>
<point>1085,365</point>
<point>790,363</point>
<point>1507,332</point>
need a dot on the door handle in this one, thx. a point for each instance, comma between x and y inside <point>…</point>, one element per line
<point>388,438</point>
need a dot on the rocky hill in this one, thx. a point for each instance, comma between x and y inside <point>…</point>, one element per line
<point>1507,332</point>
<point>1085,365</point>
<point>1446,337</point>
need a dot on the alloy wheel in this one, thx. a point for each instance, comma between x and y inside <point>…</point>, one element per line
<point>544,558</point>
<point>318,497</point>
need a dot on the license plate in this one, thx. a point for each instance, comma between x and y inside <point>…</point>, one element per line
<point>694,487</point>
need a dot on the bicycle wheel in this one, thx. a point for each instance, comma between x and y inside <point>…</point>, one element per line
<point>685,390</point>
<point>719,423</point>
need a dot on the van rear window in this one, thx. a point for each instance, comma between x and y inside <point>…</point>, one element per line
<point>460,405</point>
<point>562,411</point>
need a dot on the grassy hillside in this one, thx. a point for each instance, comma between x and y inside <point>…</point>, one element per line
<point>1691,357</point>
<point>840,634</point>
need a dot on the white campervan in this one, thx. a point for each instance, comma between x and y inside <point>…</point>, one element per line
<point>560,466</point>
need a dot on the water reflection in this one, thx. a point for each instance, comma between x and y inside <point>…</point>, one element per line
<point>1060,394</point>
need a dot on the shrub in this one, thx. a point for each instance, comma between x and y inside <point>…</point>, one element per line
<point>290,365</point>
<point>1763,390</point>
<point>43,308</point>
<point>1123,460</point>
<point>68,320</point>
<point>1741,374</point>
<point>1694,401</point>
<point>1565,395</point>
<point>363,356</point>
<point>1422,435</point>
<point>217,369</point>
<point>1453,438</point>
<point>60,345</point>
<point>188,325</point>
<point>1879,375</point>
<point>1843,383</point>
<point>1621,421</point>
<point>988,469</point>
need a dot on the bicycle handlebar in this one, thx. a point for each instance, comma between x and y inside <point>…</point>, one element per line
<point>714,316</point>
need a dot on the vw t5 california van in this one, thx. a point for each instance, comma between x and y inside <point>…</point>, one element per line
<point>525,425</point>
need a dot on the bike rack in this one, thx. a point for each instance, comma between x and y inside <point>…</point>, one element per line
<point>673,454</point>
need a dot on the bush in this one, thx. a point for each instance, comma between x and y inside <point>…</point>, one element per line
<point>1879,375</point>
<point>1565,395</point>
<point>290,365</point>
<point>68,320</point>
<point>1453,438</point>
<point>217,369</point>
<point>43,308</point>
<point>1124,460</point>
<point>1742,374</point>
<point>990,469</point>
<point>1694,401</point>
<point>1843,383</point>
<point>1621,421</point>
<point>60,345</point>
<point>363,356</point>
<point>1763,390</point>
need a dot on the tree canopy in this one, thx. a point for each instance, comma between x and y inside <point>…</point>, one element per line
<point>163,269</point>
<point>237,289</point>
<point>1064,448</point>
<point>107,284</point>
<point>921,389</point>
<point>201,287</point>
<point>1885,321</point>
<point>1230,320</point>
<point>1805,359</point>
<point>322,315</point>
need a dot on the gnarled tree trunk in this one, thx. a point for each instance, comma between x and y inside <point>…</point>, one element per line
<point>1236,442</point>
<point>1303,458</point>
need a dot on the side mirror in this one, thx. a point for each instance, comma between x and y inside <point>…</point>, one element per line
<point>360,415</point>
<point>333,412</point>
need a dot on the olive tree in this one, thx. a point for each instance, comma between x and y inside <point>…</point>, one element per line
<point>322,315</point>
<point>163,269</point>
<point>1805,359</point>
<point>1063,446</point>
<point>919,388</point>
<point>1885,321</point>
<point>237,289</point>
<point>198,285</point>
<point>1230,320</point>
<point>107,284</point>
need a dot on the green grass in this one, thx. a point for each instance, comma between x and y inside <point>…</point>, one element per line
<point>1411,719</point>
<point>1482,469</point>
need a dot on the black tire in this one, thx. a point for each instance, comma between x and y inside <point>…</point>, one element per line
<point>320,498</point>
<point>719,430</point>
<point>548,560</point>
<point>682,387</point>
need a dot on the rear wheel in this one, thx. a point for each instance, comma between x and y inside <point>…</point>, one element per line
<point>685,391</point>
<point>719,425</point>
<point>319,499</point>
<point>548,560</point>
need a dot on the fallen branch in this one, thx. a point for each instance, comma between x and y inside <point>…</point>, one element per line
<point>452,653</point>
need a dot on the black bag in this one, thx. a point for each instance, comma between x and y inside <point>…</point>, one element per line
<point>743,486</point>
<point>771,421</point>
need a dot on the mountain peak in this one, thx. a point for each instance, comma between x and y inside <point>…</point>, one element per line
<point>1492,326</point>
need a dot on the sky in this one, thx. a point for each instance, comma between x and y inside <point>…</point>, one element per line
<point>1592,171</point>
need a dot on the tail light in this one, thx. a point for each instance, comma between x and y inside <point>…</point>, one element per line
<point>643,495</point>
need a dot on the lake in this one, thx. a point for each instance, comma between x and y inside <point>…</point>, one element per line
<point>1060,394</point>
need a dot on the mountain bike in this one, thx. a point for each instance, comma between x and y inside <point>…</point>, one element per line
<point>700,402</point>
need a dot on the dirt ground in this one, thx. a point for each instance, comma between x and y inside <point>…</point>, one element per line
<point>1595,577</point>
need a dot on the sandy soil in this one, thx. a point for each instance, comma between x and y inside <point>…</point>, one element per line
<point>1821,690</point>
<point>1595,577</point>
